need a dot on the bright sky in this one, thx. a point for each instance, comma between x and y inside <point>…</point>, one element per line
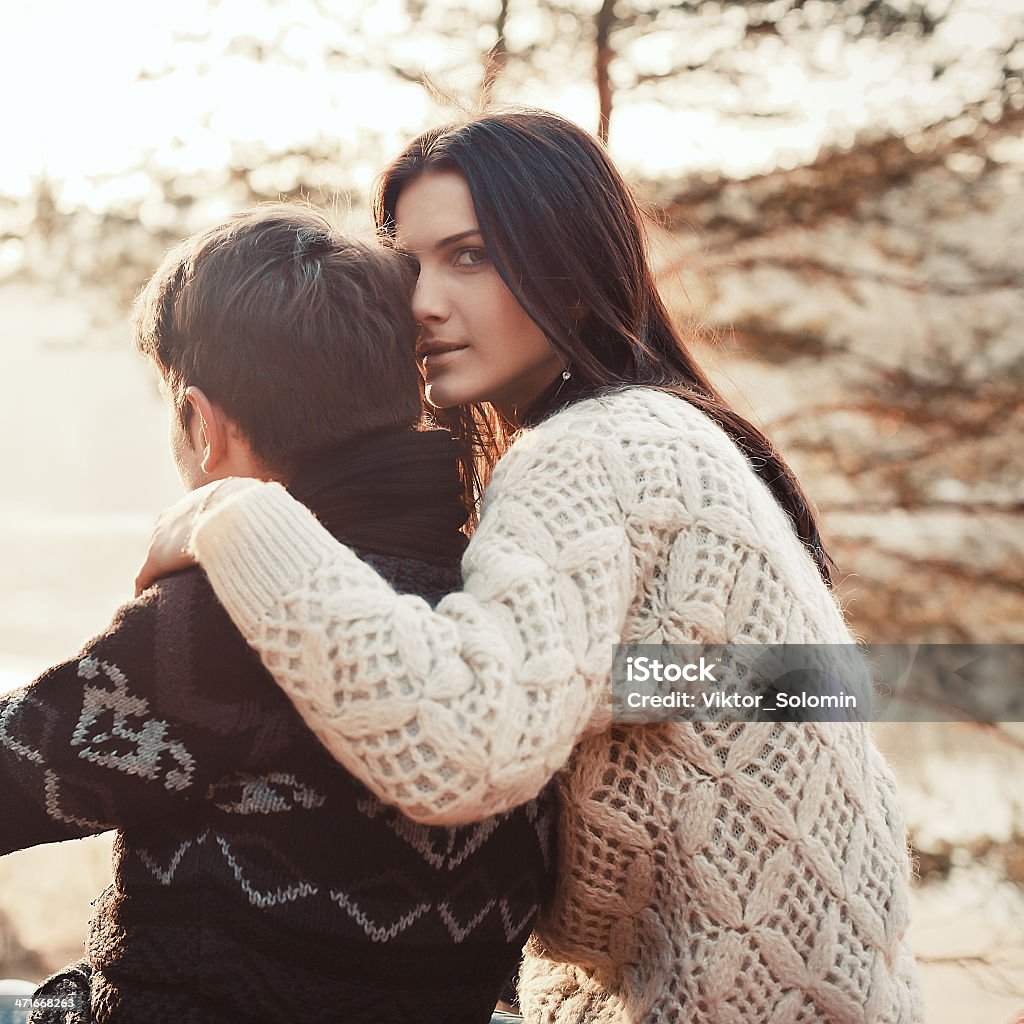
<point>84,110</point>
<point>76,107</point>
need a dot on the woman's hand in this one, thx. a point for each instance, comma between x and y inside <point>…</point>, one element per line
<point>170,542</point>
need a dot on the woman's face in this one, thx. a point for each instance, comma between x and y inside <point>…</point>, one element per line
<point>476,342</point>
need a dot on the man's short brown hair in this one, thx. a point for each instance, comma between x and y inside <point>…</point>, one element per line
<point>305,338</point>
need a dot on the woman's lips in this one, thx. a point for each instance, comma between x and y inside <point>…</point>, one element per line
<point>439,357</point>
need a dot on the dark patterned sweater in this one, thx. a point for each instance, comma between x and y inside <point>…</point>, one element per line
<point>254,878</point>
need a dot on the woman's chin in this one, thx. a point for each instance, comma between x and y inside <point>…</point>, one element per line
<point>438,396</point>
<point>441,397</point>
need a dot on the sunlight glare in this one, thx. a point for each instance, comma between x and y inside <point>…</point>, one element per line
<point>180,85</point>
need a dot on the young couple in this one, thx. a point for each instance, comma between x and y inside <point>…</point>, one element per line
<point>701,872</point>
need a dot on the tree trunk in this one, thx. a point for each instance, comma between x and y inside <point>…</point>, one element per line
<point>603,59</point>
<point>495,59</point>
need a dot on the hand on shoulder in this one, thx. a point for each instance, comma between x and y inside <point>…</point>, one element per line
<point>170,544</point>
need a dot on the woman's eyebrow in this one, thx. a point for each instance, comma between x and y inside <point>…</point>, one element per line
<point>444,242</point>
<point>452,239</point>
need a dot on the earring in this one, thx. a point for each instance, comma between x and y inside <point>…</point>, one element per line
<point>566,375</point>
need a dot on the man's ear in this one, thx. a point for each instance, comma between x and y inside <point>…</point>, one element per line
<point>209,430</point>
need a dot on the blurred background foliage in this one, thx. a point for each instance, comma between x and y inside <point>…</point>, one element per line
<point>234,102</point>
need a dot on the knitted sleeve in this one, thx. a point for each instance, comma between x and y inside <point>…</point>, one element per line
<point>125,732</point>
<point>464,711</point>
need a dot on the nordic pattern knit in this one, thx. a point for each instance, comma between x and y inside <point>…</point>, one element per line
<point>254,879</point>
<point>712,873</point>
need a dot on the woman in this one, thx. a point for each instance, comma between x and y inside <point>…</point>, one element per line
<point>707,872</point>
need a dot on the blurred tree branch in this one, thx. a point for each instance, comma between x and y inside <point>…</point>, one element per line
<point>495,58</point>
<point>832,185</point>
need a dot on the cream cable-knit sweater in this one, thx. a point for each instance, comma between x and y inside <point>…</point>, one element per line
<point>708,873</point>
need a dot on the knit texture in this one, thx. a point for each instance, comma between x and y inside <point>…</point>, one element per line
<point>707,873</point>
<point>254,878</point>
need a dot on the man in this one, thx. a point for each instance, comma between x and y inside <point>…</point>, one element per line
<point>255,879</point>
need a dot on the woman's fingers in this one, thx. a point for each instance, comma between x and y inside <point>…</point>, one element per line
<point>170,542</point>
<point>167,546</point>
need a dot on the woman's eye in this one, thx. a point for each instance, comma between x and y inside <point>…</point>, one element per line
<point>470,257</point>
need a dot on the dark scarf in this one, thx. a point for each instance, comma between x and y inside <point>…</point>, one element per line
<point>395,492</point>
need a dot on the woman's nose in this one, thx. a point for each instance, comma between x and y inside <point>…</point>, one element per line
<point>428,302</point>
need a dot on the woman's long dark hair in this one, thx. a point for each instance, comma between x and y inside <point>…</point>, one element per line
<point>565,234</point>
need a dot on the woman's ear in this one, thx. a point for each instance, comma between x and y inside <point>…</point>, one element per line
<point>208,429</point>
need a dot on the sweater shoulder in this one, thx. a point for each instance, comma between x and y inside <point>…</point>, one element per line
<point>181,613</point>
<point>177,602</point>
<point>626,415</point>
<point>632,428</point>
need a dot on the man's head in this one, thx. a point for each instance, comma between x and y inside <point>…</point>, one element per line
<point>277,339</point>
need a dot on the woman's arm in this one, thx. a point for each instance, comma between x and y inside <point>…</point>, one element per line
<point>460,712</point>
